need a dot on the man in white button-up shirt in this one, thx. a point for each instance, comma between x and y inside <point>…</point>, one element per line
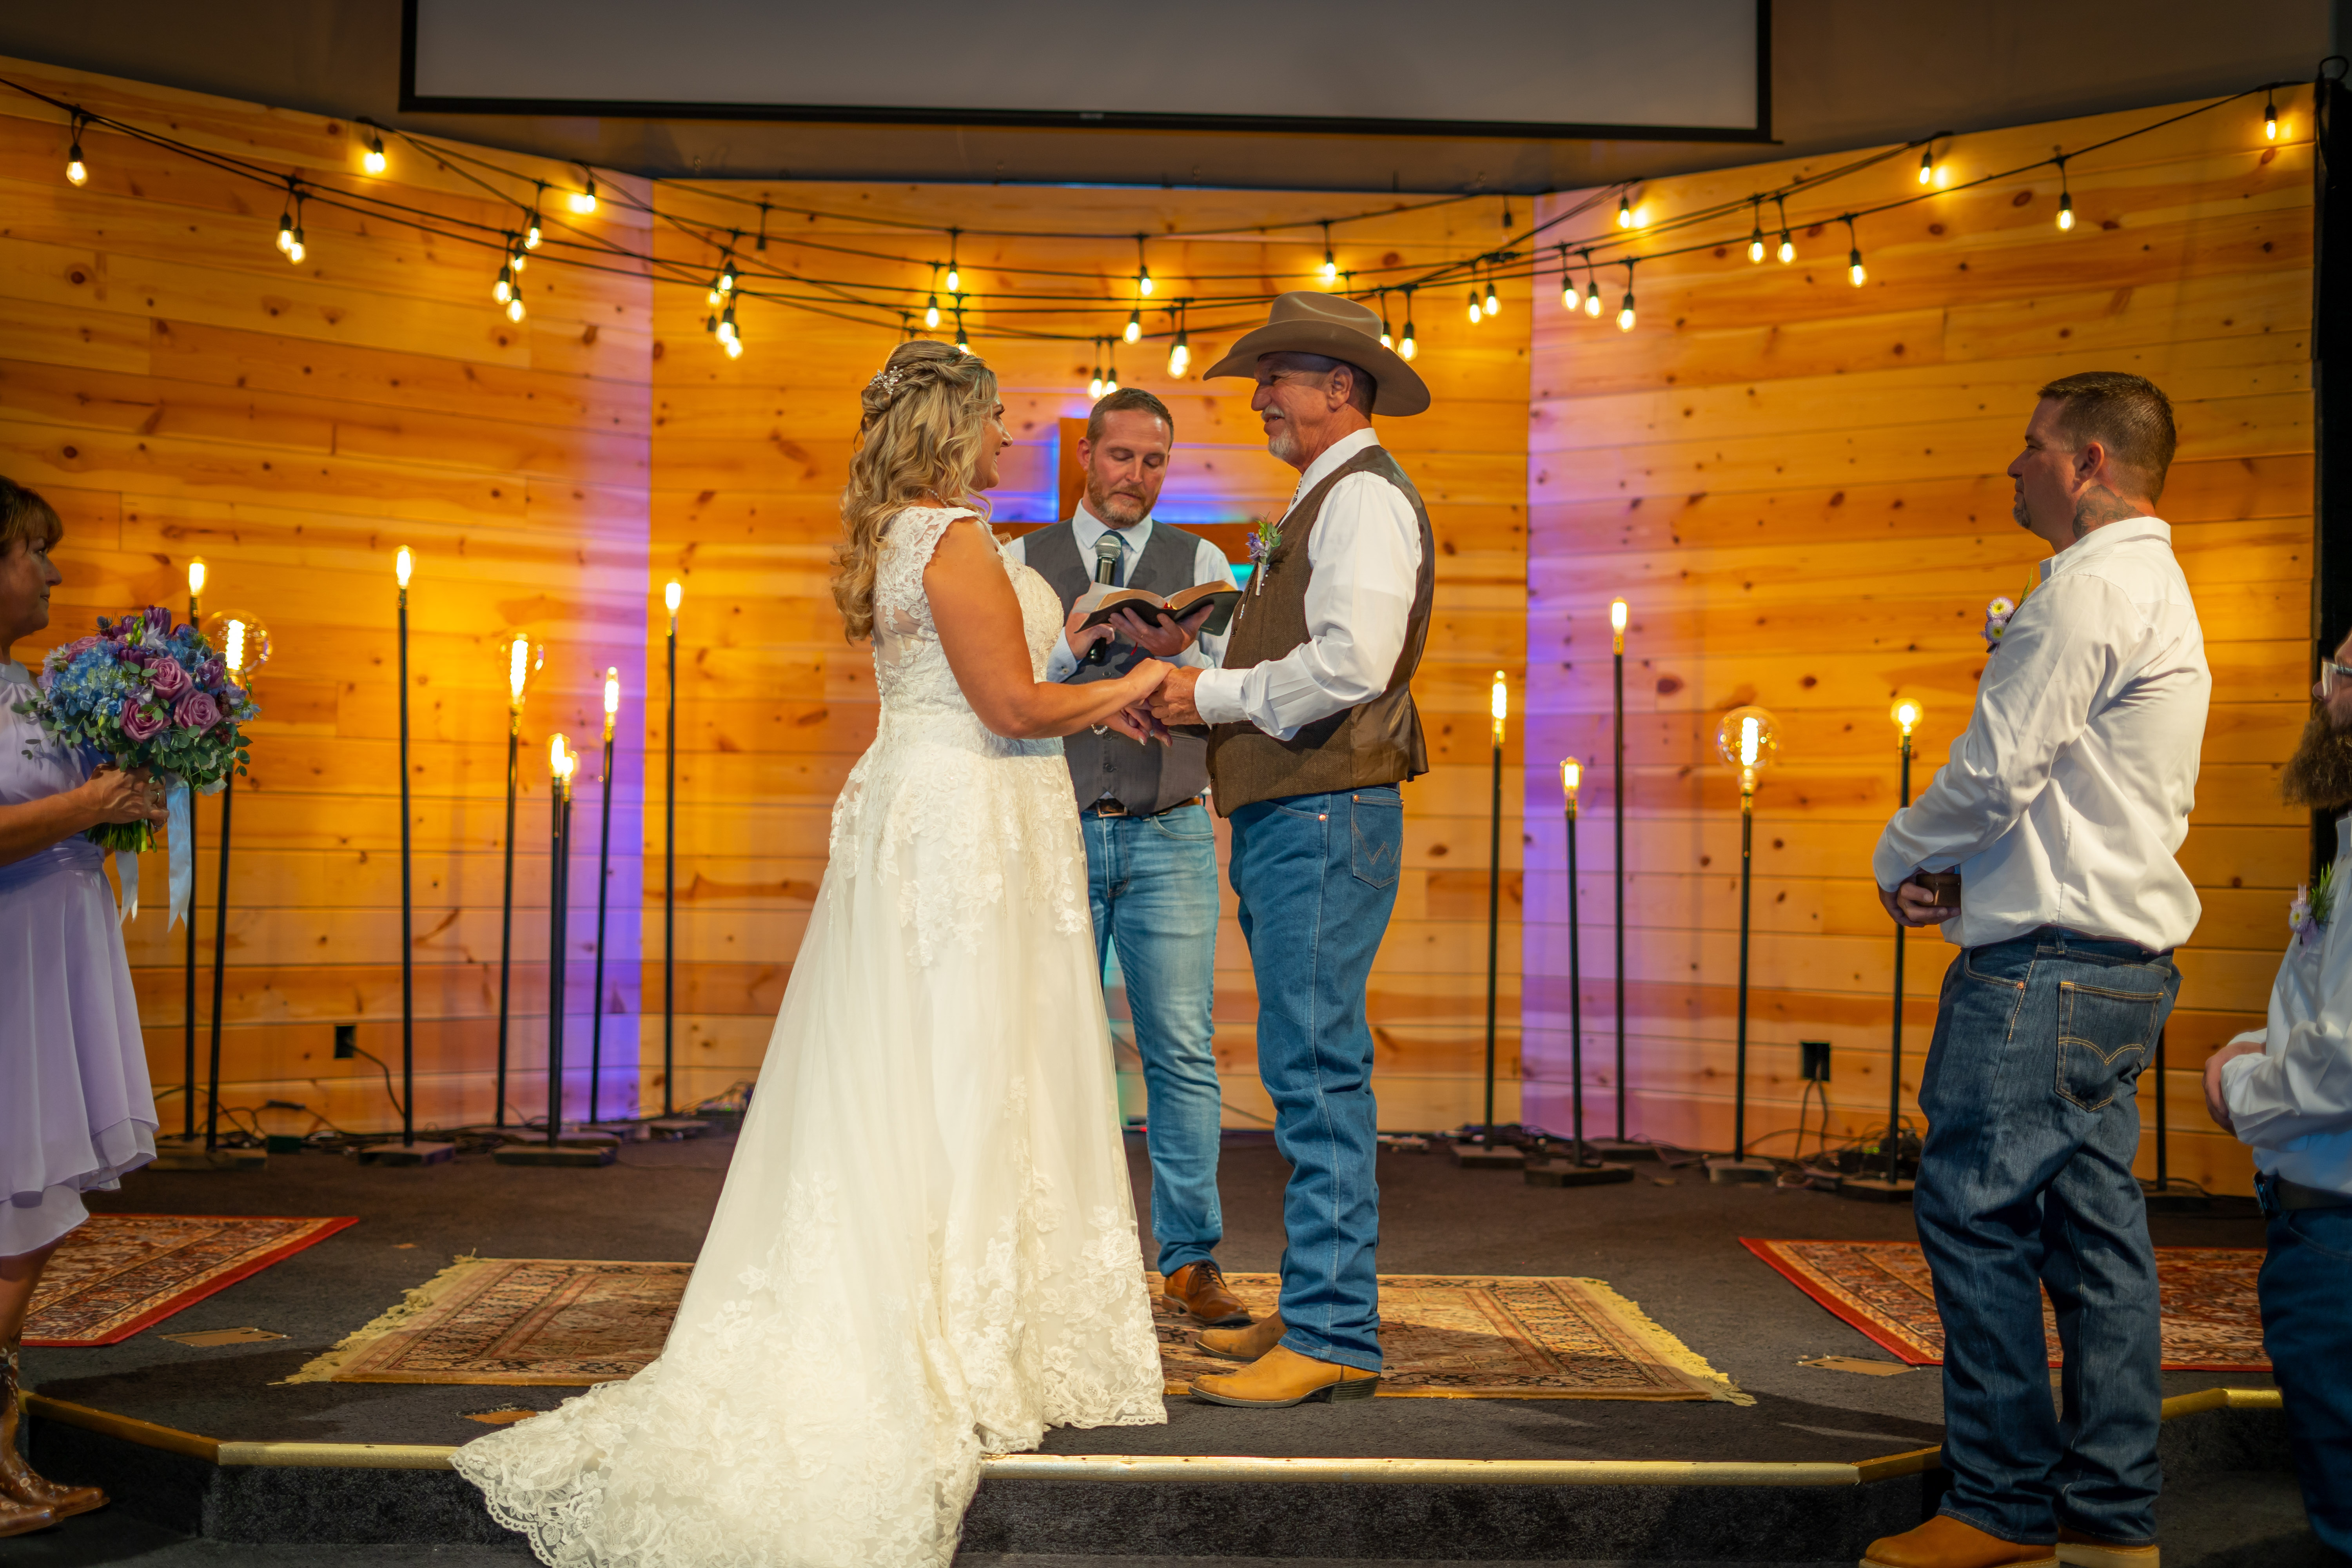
<point>2286,1089</point>
<point>2060,809</point>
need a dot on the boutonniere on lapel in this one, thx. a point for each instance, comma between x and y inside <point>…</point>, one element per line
<point>2307,917</point>
<point>1997,618</point>
<point>1264,539</point>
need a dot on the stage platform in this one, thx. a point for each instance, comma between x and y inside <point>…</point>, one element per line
<point>208,1441</point>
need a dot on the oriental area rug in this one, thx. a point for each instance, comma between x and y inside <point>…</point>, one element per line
<point>564,1321</point>
<point>2211,1321</point>
<point>118,1273</point>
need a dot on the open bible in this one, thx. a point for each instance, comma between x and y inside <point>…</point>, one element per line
<point>1102,600</point>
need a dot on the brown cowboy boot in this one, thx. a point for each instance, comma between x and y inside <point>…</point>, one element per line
<point>17,1520</point>
<point>18,1482</point>
<point>2077,1550</point>
<point>1200,1288</point>
<point>1243,1345</point>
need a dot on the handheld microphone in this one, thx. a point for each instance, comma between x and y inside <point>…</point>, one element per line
<point>1105,572</point>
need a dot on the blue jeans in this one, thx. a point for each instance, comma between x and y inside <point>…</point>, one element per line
<point>1152,881</point>
<point>1316,875</point>
<point>2026,1182</point>
<point>2306,1280</point>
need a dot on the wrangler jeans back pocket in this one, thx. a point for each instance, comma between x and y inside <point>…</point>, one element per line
<point>2106,1035</point>
<point>1376,826</point>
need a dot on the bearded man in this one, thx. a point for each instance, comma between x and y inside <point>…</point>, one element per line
<point>2061,809</point>
<point>2286,1091</point>
<point>1152,851</point>
<point>1312,730</point>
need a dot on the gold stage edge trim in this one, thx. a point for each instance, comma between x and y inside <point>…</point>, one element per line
<point>1161,1467</point>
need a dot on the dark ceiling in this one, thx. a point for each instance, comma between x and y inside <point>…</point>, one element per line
<point>1846,73</point>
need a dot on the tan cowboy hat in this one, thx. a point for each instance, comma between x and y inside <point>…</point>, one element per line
<point>1326,324</point>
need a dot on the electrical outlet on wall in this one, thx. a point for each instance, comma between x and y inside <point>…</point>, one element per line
<point>1814,1060</point>
<point>347,1041</point>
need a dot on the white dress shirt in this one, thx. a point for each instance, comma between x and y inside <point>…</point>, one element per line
<point>2063,800</point>
<point>1208,566</point>
<point>2294,1102</point>
<point>1366,553</point>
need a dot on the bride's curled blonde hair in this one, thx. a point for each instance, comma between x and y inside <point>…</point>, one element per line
<point>925,414</point>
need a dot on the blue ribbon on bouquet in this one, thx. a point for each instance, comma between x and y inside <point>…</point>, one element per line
<point>180,842</point>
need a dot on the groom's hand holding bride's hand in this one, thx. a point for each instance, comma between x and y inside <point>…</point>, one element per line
<point>1171,704</point>
<point>1135,721</point>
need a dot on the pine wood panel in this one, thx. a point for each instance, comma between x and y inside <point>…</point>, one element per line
<point>1798,484</point>
<point>179,390</point>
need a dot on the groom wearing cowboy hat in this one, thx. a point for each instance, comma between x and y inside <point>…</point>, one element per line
<point>1311,728</point>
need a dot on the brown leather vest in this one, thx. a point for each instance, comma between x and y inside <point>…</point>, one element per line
<point>1375,742</point>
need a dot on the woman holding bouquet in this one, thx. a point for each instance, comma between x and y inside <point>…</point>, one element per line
<point>76,1112</point>
<point>927,1249</point>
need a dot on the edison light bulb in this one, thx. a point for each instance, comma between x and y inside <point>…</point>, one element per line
<point>1095,386</point>
<point>1143,280</point>
<point>1624,212</point>
<point>1625,314</point>
<point>1593,300</point>
<point>242,641</point>
<point>1619,611</point>
<point>518,668</point>
<point>1499,705</point>
<point>1571,779</point>
<point>673,594</point>
<point>1755,246</point>
<point>612,690</point>
<point>197,578</point>
<point>1747,739</point>
<point>403,566</point>
<point>1330,268</point>
<point>514,308</point>
<point>955,280</point>
<point>1788,251</point>
<point>1110,381</point>
<point>1907,714</point>
<point>585,202</point>
<point>232,648</point>
<point>1134,327</point>
<point>1927,167</point>
<point>931,312</point>
<point>295,252</point>
<point>1854,266</point>
<point>503,289</point>
<point>559,757</point>
<point>285,231</point>
<point>530,234</point>
<point>1406,347</point>
<point>2066,210</point>
<point>1477,310</point>
<point>374,161</point>
<point>1492,304</point>
<point>78,172</point>
<point>2270,126</point>
<point>1180,358</point>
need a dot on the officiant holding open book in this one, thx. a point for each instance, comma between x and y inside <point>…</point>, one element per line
<point>1151,853</point>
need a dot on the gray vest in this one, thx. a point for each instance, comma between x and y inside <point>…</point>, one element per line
<point>1144,779</point>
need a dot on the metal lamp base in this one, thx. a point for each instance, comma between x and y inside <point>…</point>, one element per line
<point>189,1154</point>
<point>581,1156</point>
<point>1725,1171</point>
<point>1568,1173</point>
<point>677,1127</point>
<point>1489,1157</point>
<point>408,1154</point>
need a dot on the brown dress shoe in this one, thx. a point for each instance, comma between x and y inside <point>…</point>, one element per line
<point>18,1482</point>
<point>1244,1344</point>
<point>1200,1288</point>
<point>2084,1550</point>
<point>1947,1543</point>
<point>17,1520</point>
<point>1281,1378</point>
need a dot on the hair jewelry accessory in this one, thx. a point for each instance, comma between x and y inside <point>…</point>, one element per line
<point>886,383</point>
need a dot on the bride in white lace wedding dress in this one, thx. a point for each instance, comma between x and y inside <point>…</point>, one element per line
<point>926,1251</point>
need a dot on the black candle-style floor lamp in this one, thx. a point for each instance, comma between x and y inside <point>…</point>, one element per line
<point>1583,1168</point>
<point>554,1148</point>
<point>1620,614</point>
<point>1481,1151</point>
<point>603,876</point>
<point>522,659</point>
<point>1889,1186</point>
<point>197,571</point>
<point>243,644</point>
<point>1748,740</point>
<point>408,1151</point>
<point>671,1124</point>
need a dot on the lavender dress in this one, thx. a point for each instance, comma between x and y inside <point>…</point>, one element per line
<point>76,1110</point>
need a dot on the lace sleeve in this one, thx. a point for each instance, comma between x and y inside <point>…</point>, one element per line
<point>909,542</point>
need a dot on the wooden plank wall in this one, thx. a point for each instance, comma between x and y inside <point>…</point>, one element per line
<point>749,459</point>
<point>178,389</point>
<point>1798,485</point>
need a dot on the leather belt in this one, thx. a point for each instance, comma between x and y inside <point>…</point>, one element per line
<point>2279,1196</point>
<point>1118,808</point>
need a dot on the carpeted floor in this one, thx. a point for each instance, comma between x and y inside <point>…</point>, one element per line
<point>1672,1249</point>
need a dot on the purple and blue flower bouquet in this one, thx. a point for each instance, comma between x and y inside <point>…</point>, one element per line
<point>142,693</point>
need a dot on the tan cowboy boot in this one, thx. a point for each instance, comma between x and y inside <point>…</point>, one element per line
<point>1243,1345</point>
<point>1283,1377</point>
<point>1199,1289</point>
<point>18,1482</point>
<point>2082,1550</point>
<point>1945,1543</point>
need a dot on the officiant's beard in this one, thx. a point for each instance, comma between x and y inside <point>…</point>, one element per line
<point>2320,774</point>
<point>1116,508</point>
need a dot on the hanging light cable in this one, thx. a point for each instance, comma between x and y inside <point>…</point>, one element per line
<point>2065,198</point>
<point>1406,347</point>
<point>1626,311</point>
<point>1853,254</point>
<point>1755,236</point>
<point>1330,262</point>
<point>77,172</point>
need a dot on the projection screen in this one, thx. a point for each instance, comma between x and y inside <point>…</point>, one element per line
<point>1672,69</point>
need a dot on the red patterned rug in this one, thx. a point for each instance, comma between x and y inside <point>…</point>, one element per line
<point>118,1273</point>
<point>2211,1321</point>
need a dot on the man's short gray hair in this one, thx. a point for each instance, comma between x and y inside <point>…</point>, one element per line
<point>1361,390</point>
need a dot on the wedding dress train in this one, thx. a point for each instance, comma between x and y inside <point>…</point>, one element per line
<point>926,1251</point>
